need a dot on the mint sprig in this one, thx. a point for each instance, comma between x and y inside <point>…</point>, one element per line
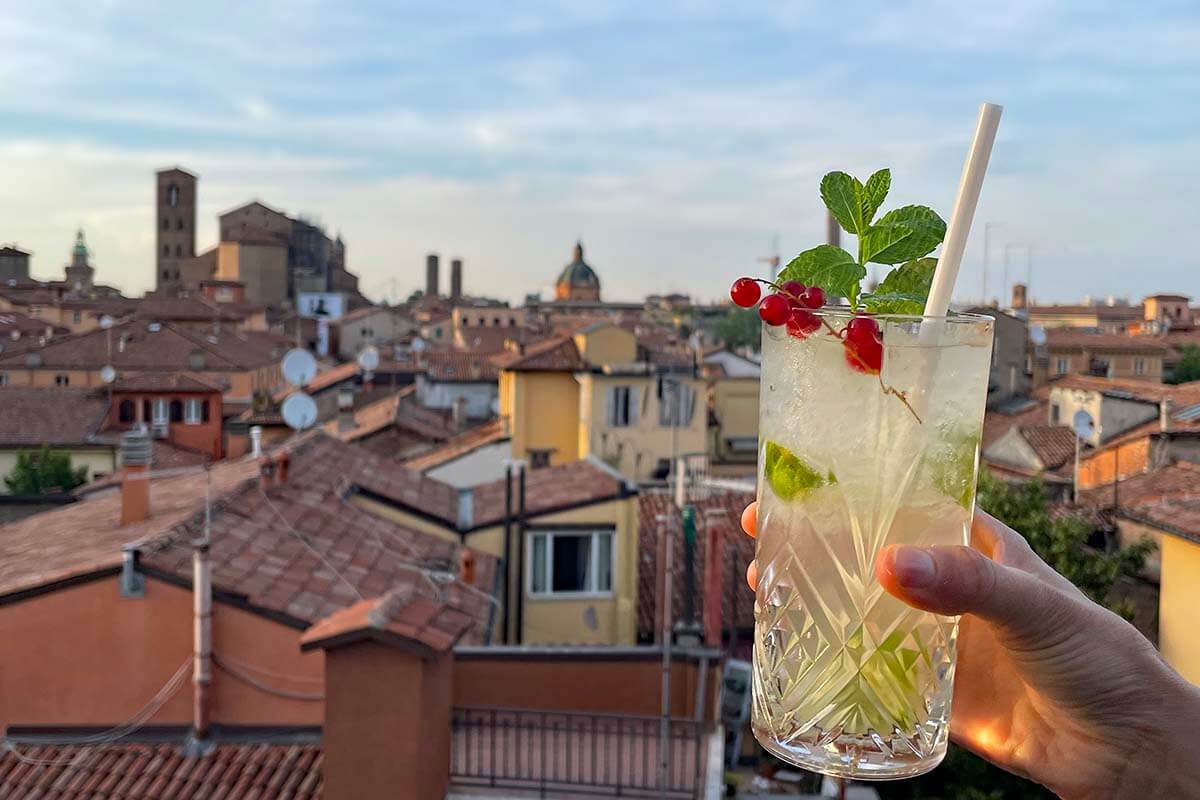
<point>902,236</point>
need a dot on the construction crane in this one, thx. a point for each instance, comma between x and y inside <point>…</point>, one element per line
<point>774,259</point>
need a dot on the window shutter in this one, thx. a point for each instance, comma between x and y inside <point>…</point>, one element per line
<point>610,406</point>
<point>689,405</point>
<point>635,405</point>
<point>204,411</point>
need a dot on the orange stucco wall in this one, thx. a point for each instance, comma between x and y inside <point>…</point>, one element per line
<point>205,437</point>
<point>1132,459</point>
<point>87,656</point>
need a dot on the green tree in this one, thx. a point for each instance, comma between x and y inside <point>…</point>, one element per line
<point>1188,368</point>
<point>44,471</point>
<point>1062,542</point>
<point>740,328</point>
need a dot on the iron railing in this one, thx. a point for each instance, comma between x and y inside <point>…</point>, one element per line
<point>575,752</point>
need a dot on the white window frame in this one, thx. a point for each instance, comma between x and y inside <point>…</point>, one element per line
<point>594,569</point>
<point>155,405</point>
<point>674,395</point>
<point>1139,366</point>
<point>1061,365</point>
<point>190,404</point>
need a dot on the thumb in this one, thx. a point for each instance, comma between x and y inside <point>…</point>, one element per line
<point>959,580</point>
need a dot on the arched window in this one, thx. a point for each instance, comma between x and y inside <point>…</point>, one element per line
<point>179,224</point>
<point>176,411</point>
<point>166,224</point>
<point>179,251</point>
<point>173,195</point>
<point>125,411</point>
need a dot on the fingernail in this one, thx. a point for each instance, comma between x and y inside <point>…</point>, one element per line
<point>913,567</point>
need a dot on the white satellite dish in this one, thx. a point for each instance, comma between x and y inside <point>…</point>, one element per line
<point>106,322</point>
<point>368,359</point>
<point>299,366</point>
<point>418,345</point>
<point>108,374</point>
<point>1084,425</point>
<point>1037,335</point>
<point>299,411</point>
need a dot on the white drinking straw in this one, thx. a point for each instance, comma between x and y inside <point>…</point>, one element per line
<point>964,211</point>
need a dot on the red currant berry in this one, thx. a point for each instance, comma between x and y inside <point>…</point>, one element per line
<point>745,292</point>
<point>814,297</point>
<point>774,309</point>
<point>802,323</point>
<point>864,345</point>
<point>792,291</point>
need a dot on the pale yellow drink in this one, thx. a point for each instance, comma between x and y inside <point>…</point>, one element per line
<point>847,680</point>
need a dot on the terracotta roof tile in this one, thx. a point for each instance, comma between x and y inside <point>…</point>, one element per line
<point>483,340</point>
<point>153,346</point>
<point>450,366</point>
<point>52,416</point>
<point>553,355</point>
<point>1053,444</point>
<point>437,617</point>
<point>1073,338</point>
<point>721,507</point>
<point>170,382</point>
<point>190,309</point>
<point>265,545</point>
<point>1181,479</point>
<point>1178,515</point>
<point>473,439</point>
<point>129,771</point>
<point>1148,390</point>
<point>24,325</point>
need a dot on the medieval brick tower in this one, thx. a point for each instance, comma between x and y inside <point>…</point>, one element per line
<point>175,223</point>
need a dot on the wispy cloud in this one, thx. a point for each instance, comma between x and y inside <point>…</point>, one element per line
<point>676,137</point>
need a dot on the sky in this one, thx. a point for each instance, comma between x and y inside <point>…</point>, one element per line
<point>676,139</point>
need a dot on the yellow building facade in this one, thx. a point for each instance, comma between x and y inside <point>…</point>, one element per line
<point>1178,599</point>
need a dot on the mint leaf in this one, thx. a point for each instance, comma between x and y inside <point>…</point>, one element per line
<point>841,194</point>
<point>903,234</point>
<point>790,477</point>
<point>952,467</point>
<point>894,303</point>
<point>911,277</point>
<point>873,193</point>
<point>831,268</point>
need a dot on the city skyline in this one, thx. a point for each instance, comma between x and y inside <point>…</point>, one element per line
<point>676,141</point>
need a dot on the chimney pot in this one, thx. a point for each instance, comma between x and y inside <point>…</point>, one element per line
<point>256,441</point>
<point>282,462</point>
<point>136,455</point>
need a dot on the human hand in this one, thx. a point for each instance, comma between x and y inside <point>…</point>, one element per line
<point>1049,685</point>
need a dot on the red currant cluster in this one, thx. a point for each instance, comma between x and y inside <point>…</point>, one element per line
<point>792,304</point>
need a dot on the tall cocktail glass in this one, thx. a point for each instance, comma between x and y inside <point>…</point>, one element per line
<point>848,680</point>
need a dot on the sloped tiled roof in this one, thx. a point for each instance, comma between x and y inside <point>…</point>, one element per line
<point>1072,338</point>
<point>553,355</point>
<point>437,617</point>
<point>189,309</point>
<point>324,379</point>
<point>25,325</point>
<point>156,346</point>
<point>484,340</point>
<point>472,439</point>
<point>1053,444</point>
<point>169,382</point>
<point>547,490</point>
<point>265,545</point>
<point>1180,479</point>
<point>721,507</point>
<point>1178,515</point>
<point>370,418</point>
<point>453,366</point>
<point>85,537</point>
<point>1148,390</point>
<point>128,771</point>
<point>52,416</point>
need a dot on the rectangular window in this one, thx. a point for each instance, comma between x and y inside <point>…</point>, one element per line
<point>539,458</point>
<point>77,317</point>
<point>62,380</point>
<point>3,379</point>
<point>192,411</point>
<point>1139,366</point>
<point>1060,366</point>
<point>1054,414</point>
<point>160,412</point>
<point>571,563</point>
<point>622,407</point>
<point>676,404</point>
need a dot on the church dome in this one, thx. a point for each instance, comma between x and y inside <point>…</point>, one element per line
<point>578,281</point>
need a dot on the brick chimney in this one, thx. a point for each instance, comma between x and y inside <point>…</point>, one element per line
<point>1018,296</point>
<point>389,693</point>
<point>136,456</point>
<point>714,556</point>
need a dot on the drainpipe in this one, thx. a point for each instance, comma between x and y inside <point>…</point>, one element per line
<point>521,553</point>
<point>508,598</point>
<point>202,623</point>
